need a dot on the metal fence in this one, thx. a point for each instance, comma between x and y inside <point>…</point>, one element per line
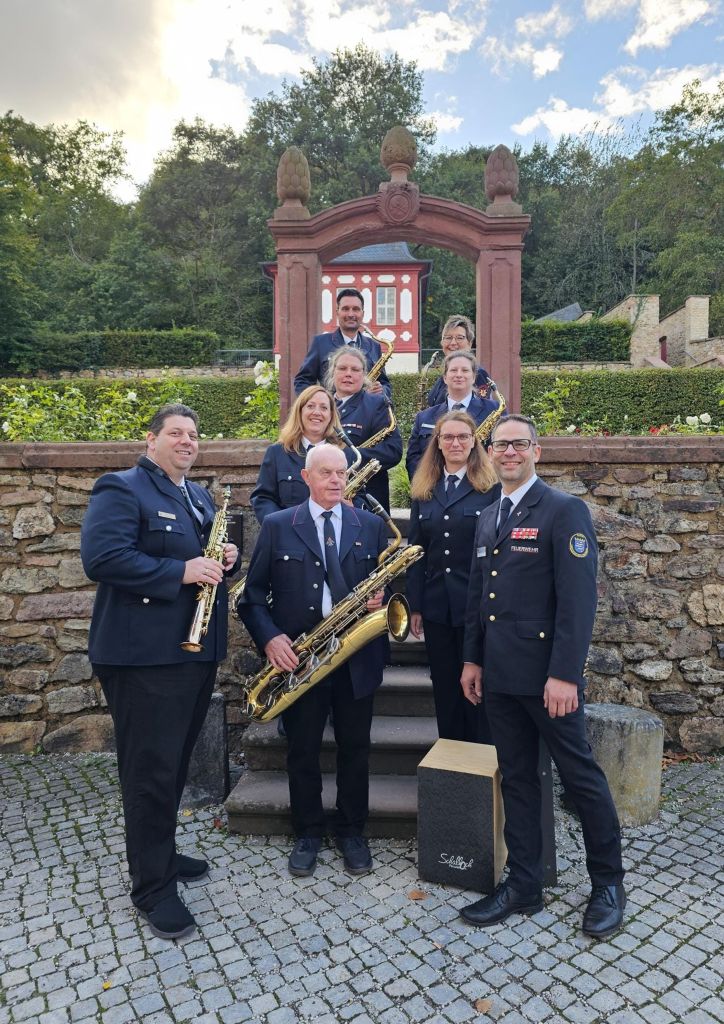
<point>244,357</point>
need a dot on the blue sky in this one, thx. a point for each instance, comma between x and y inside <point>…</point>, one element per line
<point>495,70</point>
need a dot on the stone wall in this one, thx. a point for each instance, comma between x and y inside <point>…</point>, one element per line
<point>688,323</point>
<point>659,635</point>
<point>642,311</point>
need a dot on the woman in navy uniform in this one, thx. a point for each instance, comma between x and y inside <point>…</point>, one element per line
<point>312,419</point>
<point>362,416</point>
<point>453,483</point>
<point>458,375</point>
<point>458,335</point>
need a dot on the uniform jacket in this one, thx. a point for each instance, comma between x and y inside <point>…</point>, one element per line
<point>287,562</point>
<point>362,416</point>
<point>532,594</point>
<point>438,391</point>
<point>136,536</point>
<point>279,484</point>
<point>314,367</point>
<point>425,422</point>
<point>437,585</point>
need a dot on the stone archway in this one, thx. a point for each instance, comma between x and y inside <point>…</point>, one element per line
<point>491,239</point>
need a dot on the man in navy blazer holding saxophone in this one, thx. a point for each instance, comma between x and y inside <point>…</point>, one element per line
<point>530,612</point>
<point>143,540</point>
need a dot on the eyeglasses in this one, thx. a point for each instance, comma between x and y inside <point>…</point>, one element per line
<point>521,444</point>
<point>460,438</point>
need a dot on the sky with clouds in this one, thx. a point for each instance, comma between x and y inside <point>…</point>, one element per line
<point>495,70</point>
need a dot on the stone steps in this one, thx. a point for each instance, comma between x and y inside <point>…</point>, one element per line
<point>259,805</point>
<point>406,691</point>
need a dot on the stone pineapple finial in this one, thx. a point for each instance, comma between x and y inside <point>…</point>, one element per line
<point>398,154</point>
<point>294,185</point>
<point>501,182</point>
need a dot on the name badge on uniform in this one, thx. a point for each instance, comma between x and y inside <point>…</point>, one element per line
<point>428,426</point>
<point>358,543</point>
<point>166,515</point>
<point>482,552</point>
<point>524,533</point>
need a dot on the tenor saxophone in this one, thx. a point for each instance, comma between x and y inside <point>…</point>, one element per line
<point>207,591</point>
<point>422,383</point>
<point>379,366</point>
<point>485,429</point>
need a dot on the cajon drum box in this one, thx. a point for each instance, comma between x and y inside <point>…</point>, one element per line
<point>460,816</point>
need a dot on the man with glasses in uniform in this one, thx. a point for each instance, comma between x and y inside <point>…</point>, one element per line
<point>530,612</point>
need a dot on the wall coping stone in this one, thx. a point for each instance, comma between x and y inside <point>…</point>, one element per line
<point>112,455</point>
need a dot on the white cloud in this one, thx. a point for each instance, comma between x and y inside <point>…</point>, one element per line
<point>628,91</point>
<point>541,60</point>
<point>660,20</point>
<point>560,119</point>
<point>597,9</point>
<point>545,23</point>
<point>445,123</point>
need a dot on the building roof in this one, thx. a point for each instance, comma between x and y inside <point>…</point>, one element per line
<point>565,315</point>
<point>385,252</point>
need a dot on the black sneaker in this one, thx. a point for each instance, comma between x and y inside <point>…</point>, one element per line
<point>190,868</point>
<point>356,853</point>
<point>303,858</point>
<point>169,919</point>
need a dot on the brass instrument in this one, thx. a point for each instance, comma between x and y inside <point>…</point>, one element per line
<point>384,431</point>
<point>422,383</point>
<point>346,630</point>
<point>485,429</point>
<point>207,591</point>
<point>379,510</point>
<point>379,366</point>
<point>356,481</point>
<point>236,591</point>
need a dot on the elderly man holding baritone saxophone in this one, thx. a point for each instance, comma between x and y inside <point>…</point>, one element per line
<point>144,540</point>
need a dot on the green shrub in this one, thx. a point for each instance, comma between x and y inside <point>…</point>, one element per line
<point>87,350</point>
<point>604,341</point>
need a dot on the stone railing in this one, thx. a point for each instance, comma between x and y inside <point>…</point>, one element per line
<point>659,635</point>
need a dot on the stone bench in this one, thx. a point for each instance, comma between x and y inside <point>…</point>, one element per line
<point>628,744</point>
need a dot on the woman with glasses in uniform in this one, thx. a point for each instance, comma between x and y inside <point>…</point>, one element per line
<point>312,420</point>
<point>458,335</point>
<point>459,370</point>
<point>454,482</point>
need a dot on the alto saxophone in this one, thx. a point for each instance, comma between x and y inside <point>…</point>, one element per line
<point>485,429</point>
<point>379,366</point>
<point>207,591</point>
<point>422,383</point>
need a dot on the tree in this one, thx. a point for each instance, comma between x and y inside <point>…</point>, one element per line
<point>17,254</point>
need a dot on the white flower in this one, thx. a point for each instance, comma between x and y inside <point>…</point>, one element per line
<point>258,367</point>
<point>247,399</point>
<point>6,426</point>
<point>131,396</point>
<point>219,435</point>
<point>705,418</point>
<point>692,421</point>
<point>571,428</point>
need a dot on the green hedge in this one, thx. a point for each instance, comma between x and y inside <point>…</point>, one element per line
<point>593,341</point>
<point>647,397</point>
<point>52,352</point>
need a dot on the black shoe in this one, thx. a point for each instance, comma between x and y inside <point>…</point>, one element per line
<point>356,853</point>
<point>604,913</point>
<point>502,902</point>
<point>169,919</point>
<point>303,858</point>
<point>190,868</point>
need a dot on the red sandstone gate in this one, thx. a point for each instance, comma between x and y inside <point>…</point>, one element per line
<point>492,240</point>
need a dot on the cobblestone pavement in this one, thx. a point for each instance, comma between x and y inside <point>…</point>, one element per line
<point>332,948</point>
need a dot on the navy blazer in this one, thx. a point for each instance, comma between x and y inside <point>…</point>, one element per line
<point>136,537</point>
<point>424,426</point>
<point>279,484</point>
<point>362,416</point>
<point>314,366</point>
<point>437,585</point>
<point>532,595</point>
<point>438,391</point>
<point>287,563</point>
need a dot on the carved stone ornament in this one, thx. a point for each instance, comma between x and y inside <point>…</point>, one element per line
<point>398,202</point>
<point>501,174</point>
<point>398,154</point>
<point>293,181</point>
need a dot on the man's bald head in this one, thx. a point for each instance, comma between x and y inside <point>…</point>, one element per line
<point>325,474</point>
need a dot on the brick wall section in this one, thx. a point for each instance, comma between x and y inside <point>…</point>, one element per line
<point>659,636</point>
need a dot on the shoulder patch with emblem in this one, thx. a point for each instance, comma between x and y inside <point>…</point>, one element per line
<point>578,545</point>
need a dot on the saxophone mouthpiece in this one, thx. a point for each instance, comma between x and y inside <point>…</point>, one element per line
<point>376,507</point>
<point>343,436</point>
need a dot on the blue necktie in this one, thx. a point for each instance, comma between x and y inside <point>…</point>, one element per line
<point>505,507</point>
<point>335,578</point>
<point>450,486</point>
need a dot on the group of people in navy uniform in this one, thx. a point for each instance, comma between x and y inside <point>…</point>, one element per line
<point>504,596</point>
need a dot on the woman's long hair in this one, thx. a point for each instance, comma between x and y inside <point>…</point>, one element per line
<point>290,435</point>
<point>430,470</point>
<point>345,350</point>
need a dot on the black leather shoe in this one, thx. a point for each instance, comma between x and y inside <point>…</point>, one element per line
<point>303,858</point>
<point>604,913</point>
<point>356,853</point>
<point>169,919</point>
<point>502,902</point>
<point>190,868</point>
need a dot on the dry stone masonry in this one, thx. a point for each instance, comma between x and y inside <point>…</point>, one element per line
<point>659,637</point>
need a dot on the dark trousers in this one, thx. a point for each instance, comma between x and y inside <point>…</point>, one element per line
<point>457,718</point>
<point>516,723</point>
<point>304,723</point>
<point>158,712</point>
